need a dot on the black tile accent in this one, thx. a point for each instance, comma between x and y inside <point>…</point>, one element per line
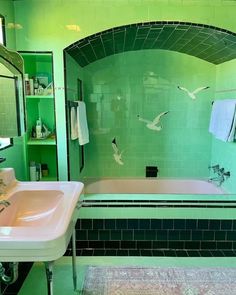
<point>191,224</point>
<point>168,224</point>
<point>167,35</point>
<point>110,224</point>
<point>86,224</point>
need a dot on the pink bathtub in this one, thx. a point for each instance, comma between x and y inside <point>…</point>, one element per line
<point>151,186</point>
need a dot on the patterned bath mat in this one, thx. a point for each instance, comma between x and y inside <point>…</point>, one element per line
<point>159,281</point>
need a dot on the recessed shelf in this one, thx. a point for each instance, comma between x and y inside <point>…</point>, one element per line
<point>46,141</point>
<point>39,96</point>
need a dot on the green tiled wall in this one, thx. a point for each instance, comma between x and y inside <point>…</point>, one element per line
<point>144,83</point>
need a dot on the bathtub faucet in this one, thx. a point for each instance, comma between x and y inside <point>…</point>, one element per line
<point>221,176</point>
<point>215,168</point>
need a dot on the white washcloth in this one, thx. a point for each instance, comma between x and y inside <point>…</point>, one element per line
<point>223,121</point>
<point>73,123</point>
<point>82,123</point>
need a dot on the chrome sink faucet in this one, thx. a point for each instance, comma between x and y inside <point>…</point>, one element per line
<point>3,202</point>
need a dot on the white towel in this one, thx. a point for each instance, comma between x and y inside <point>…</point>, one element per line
<point>82,123</point>
<point>73,123</point>
<point>223,121</point>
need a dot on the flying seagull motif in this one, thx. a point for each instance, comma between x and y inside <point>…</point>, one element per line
<point>193,93</point>
<point>117,154</point>
<point>153,124</point>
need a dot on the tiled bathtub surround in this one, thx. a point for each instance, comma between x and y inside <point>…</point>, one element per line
<point>156,237</point>
<point>119,88</point>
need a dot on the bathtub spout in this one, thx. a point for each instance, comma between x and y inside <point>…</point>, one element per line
<point>218,179</point>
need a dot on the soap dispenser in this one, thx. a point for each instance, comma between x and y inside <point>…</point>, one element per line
<point>39,128</point>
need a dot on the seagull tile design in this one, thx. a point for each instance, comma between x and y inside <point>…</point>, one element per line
<point>155,124</point>
<point>193,93</point>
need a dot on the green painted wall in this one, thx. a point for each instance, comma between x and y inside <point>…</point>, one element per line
<point>45,27</point>
<point>145,83</point>
<point>15,155</point>
<point>223,153</point>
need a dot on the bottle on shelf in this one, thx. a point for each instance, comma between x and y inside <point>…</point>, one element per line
<point>27,84</point>
<point>39,128</point>
<point>33,173</point>
<point>36,86</point>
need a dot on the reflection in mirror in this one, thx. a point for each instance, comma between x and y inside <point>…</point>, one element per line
<point>4,142</point>
<point>11,94</point>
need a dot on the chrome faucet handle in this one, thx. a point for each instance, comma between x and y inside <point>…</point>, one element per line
<point>215,168</point>
<point>227,174</point>
<point>2,186</point>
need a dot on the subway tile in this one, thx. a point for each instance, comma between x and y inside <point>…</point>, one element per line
<point>203,224</point>
<point>179,224</point>
<point>110,224</point>
<point>170,253</point>
<point>86,223</point>
<point>98,224</point>
<point>231,235</point>
<point>193,253</point>
<point>133,224</point>
<point>160,245</point>
<point>173,235</point>
<point>224,245</point>
<point>176,245</point>
<point>181,253</point>
<point>146,253</point>
<point>156,223</point>
<point>162,235</point>
<point>127,235</point>
<point>139,234</point>
<point>167,224</point>
<point>208,245</point>
<point>185,235</point>
<point>112,244</point>
<point>192,245</point>
<point>217,253</point>
<point>205,253</point>
<point>134,252</point>
<point>121,223</point>
<point>144,224</point>
<point>104,235</point>
<point>110,252</point>
<point>144,245</point>
<point>96,244</point>
<point>116,235</point>
<point>214,224</point>
<point>81,244</point>
<point>128,244</point>
<point>226,224</point>
<point>122,252</point>
<point>197,235</point>
<point>220,235</point>
<point>92,235</point>
<point>81,234</point>
<point>158,253</point>
<point>208,235</point>
<point>150,235</point>
<point>191,224</point>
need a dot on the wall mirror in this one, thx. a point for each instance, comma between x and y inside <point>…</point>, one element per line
<point>11,94</point>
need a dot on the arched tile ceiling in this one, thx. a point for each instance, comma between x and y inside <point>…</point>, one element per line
<point>209,43</point>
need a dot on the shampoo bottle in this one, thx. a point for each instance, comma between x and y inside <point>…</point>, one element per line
<point>39,128</point>
<point>33,175</point>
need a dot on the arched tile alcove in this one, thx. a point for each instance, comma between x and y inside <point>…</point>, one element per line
<point>206,42</point>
